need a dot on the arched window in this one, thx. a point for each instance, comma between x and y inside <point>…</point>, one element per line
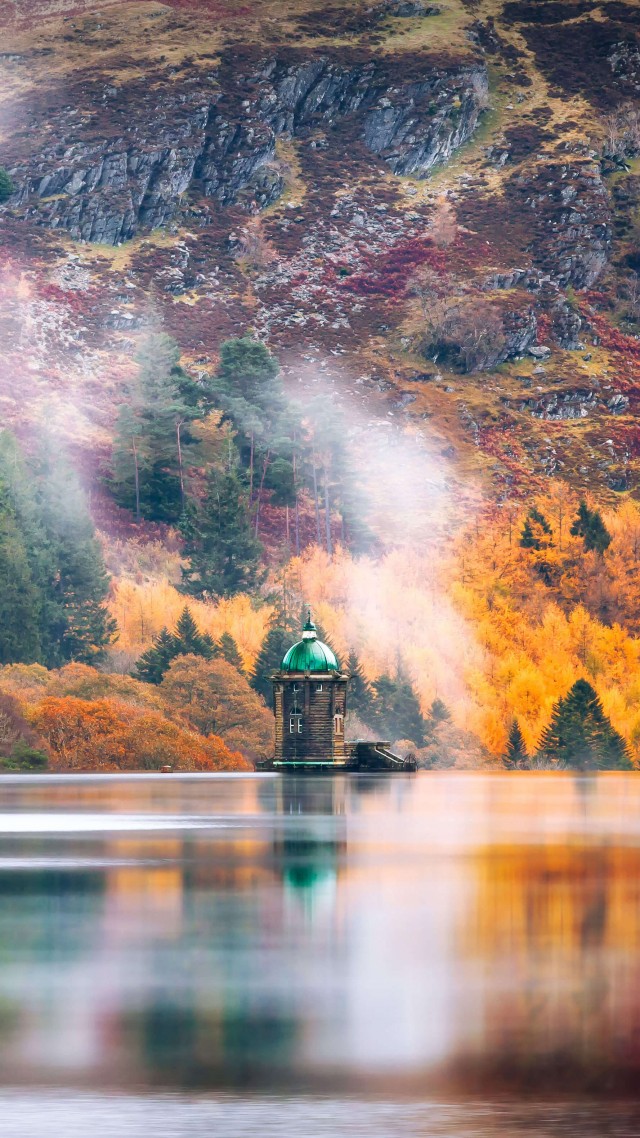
<point>295,724</point>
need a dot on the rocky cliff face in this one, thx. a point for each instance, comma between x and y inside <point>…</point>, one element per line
<point>107,175</point>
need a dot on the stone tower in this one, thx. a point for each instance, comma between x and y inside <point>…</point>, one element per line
<point>310,703</point>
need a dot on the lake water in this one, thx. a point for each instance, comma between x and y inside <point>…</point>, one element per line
<point>429,955</point>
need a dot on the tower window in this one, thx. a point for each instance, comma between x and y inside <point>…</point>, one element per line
<point>338,724</point>
<point>295,725</point>
<point>296,687</point>
<point>318,687</point>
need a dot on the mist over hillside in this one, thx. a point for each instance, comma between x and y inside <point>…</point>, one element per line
<point>425,216</point>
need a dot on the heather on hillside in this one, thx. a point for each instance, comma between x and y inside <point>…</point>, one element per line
<point>368,342</point>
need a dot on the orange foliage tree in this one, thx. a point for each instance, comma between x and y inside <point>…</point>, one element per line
<point>106,735</point>
<point>211,697</point>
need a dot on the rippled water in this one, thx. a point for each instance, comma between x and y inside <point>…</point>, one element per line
<point>441,954</point>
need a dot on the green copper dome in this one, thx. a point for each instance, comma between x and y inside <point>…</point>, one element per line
<point>309,654</point>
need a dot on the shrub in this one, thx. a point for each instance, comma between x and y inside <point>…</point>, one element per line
<point>24,757</point>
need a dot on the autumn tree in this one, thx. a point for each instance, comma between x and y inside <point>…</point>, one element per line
<point>443,228</point>
<point>464,333</point>
<point>110,735</point>
<point>515,756</point>
<point>20,747</point>
<point>212,697</point>
<point>254,248</point>
<point>580,735</point>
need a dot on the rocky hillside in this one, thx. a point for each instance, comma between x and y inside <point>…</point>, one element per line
<point>433,207</point>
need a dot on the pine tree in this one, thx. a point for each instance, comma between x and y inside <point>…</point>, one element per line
<point>78,625</point>
<point>153,441</point>
<point>515,756</point>
<point>153,663</point>
<point>224,555</point>
<point>274,648</point>
<point>536,531</point>
<point>581,736</point>
<point>56,581</point>
<point>590,527</point>
<point>187,640</point>
<point>360,696</point>
<point>229,651</point>
<point>397,709</point>
<point>439,712</point>
<point>20,599</point>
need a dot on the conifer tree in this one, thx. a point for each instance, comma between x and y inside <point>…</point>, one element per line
<point>536,531</point>
<point>274,648</point>
<point>55,587</point>
<point>223,554</point>
<point>153,663</point>
<point>439,712</point>
<point>515,756</point>
<point>397,710</point>
<point>590,527</point>
<point>360,696</point>
<point>20,599</point>
<point>321,633</point>
<point>78,625</point>
<point>229,651</point>
<point>187,640</point>
<point>153,441</point>
<point>581,736</point>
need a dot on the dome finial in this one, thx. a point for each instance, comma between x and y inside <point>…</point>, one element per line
<point>309,630</point>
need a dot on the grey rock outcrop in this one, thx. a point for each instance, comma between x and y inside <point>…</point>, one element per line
<point>566,324</point>
<point>568,211</point>
<point>572,404</point>
<point>125,162</point>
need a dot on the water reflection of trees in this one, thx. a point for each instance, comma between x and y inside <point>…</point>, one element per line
<point>555,933</point>
<point>252,947</point>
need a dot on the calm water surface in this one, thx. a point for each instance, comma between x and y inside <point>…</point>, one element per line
<point>433,955</point>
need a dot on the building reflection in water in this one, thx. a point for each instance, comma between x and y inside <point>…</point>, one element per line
<point>433,932</point>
